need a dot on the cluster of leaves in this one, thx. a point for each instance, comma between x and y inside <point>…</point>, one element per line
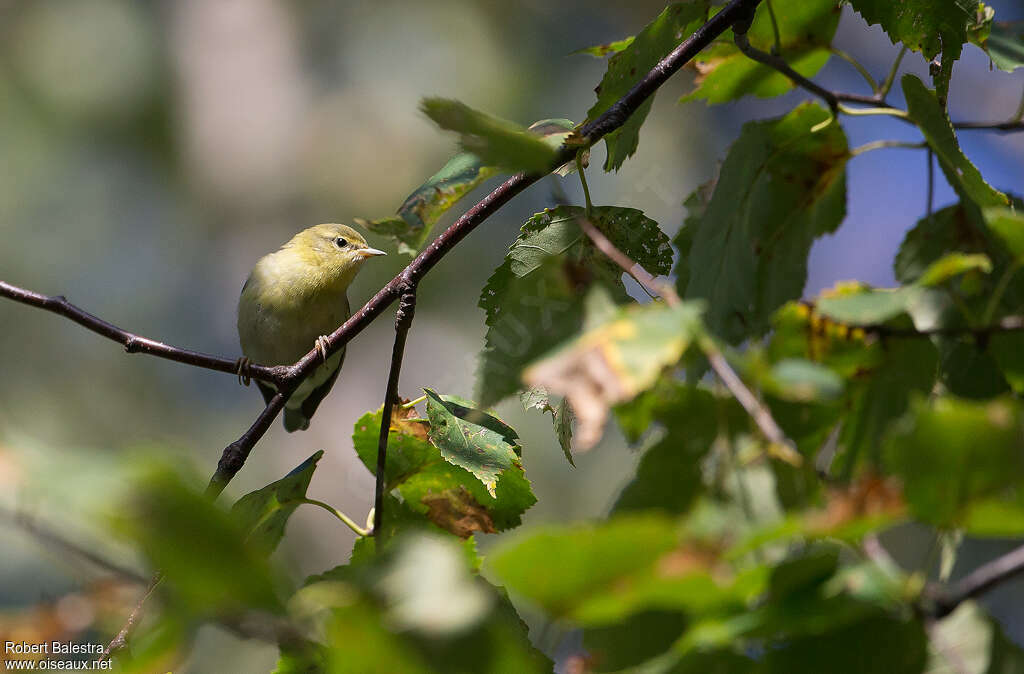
<point>906,399</point>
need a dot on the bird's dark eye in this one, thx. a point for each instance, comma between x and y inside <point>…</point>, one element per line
<point>340,242</point>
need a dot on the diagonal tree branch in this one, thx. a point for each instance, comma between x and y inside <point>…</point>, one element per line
<point>131,342</point>
<point>757,411</point>
<point>403,321</point>
<point>941,601</point>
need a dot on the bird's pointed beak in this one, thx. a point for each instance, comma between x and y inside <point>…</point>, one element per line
<point>370,252</point>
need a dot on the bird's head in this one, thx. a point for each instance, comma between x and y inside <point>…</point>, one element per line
<point>337,251</point>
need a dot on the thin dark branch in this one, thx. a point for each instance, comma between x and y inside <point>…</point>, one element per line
<point>235,454</point>
<point>1005,127</point>
<point>121,639</point>
<point>930,198</point>
<point>403,321</point>
<point>943,601</point>
<point>757,411</point>
<point>776,62</point>
<point>131,342</point>
<point>50,537</point>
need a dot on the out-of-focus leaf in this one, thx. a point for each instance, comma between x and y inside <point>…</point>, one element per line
<point>929,27</point>
<point>781,186</point>
<point>616,360</point>
<point>954,228</point>
<point>467,438</point>
<point>961,641</point>
<point>497,142</point>
<point>450,603</point>
<point>569,571</point>
<point>1009,225</point>
<point>953,453</point>
<point>1008,351</point>
<point>207,562</point>
<point>1005,44</point>
<point>931,118</point>
<point>264,513</point>
<point>870,306</point>
<point>669,475</point>
<point>628,66</point>
<point>1005,656</point>
<point>384,618</point>
<point>447,495</point>
<point>533,300</point>
<point>613,648</point>
<point>806,29</point>
<point>607,49</point>
<point>860,305</point>
<point>800,380</point>
<point>462,174</point>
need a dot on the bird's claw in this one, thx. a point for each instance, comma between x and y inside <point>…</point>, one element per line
<point>321,346</point>
<point>242,368</point>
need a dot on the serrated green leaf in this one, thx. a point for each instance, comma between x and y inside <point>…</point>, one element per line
<point>952,453</point>
<point>929,27</point>
<point>264,513</point>
<point>625,69</point>
<point>447,495</point>
<point>806,29</point>
<point>533,300</point>
<point>497,142</point>
<point>467,439</point>
<point>615,360</point>
<point>930,117</point>
<point>780,188</point>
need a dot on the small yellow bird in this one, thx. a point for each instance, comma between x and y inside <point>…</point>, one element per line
<point>294,298</point>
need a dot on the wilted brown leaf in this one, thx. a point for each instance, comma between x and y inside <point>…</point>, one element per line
<point>456,511</point>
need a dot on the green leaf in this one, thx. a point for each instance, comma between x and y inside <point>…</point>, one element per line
<point>696,205</point>
<point>780,188</point>
<point>569,570</point>
<point>1005,44</point>
<point>669,476</point>
<point>929,27</point>
<point>209,566</point>
<point>806,29</point>
<point>952,453</point>
<point>264,513</point>
<point>930,117</point>
<point>870,306</point>
<point>533,300</point>
<point>607,49</point>
<point>860,305</point>
<point>1009,225</point>
<point>615,360</point>
<point>467,438</point>
<point>800,380</point>
<point>497,142</point>
<point>1008,351</point>
<point>562,417</point>
<point>443,493</point>
<point>462,174</point>
<point>629,65</point>
<point>640,637</point>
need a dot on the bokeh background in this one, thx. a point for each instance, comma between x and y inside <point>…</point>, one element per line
<point>153,151</point>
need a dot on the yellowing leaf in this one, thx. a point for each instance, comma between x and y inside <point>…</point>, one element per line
<point>616,360</point>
